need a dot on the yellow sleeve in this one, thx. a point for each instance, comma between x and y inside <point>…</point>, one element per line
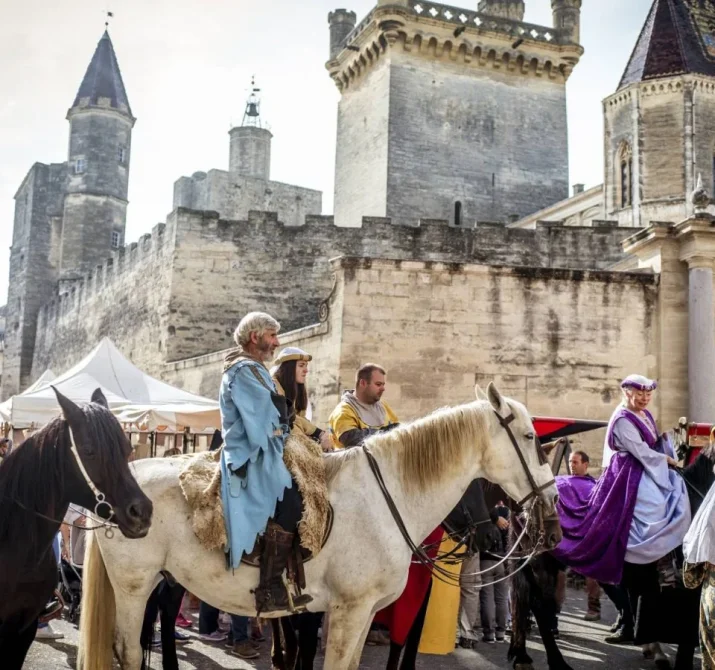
<point>391,416</point>
<point>341,421</point>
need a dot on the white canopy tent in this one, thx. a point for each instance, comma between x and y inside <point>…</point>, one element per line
<point>6,408</point>
<point>126,388</point>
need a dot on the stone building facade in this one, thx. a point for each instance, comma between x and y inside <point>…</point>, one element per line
<point>659,125</point>
<point>556,307</point>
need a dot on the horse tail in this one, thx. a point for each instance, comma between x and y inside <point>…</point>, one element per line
<point>97,621</point>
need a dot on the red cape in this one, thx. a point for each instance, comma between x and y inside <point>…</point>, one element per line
<point>400,616</point>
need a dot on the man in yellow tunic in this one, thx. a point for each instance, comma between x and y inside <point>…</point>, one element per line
<point>362,412</point>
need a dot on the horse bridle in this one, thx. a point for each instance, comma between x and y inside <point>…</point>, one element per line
<point>419,551</point>
<point>536,490</point>
<point>99,497</point>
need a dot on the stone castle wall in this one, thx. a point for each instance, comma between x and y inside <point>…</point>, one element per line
<point>33,267</point>
<point>558,340</point>
<point>233,195</point>
<point>127,299</point>
<point>179,293</point>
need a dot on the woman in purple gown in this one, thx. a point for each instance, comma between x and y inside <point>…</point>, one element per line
<point>627,527</point>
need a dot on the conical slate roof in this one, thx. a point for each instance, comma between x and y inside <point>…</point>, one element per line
<point>678,38</point>
<point>103,79</point>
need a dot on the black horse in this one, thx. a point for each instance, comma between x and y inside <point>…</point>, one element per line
<point>534,590</point>
<point>38,481</point>
<point>295,639</point>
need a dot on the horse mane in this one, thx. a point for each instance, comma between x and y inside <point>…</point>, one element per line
<point>427,449</point>
<point>33,475</point>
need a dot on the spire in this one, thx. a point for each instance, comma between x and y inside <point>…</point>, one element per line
<point>103,80</point>
<point>676,39</point>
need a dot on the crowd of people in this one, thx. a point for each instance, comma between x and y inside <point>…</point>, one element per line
<point>622,532</point>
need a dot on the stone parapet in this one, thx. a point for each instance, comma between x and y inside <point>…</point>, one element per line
<point>457,34</point>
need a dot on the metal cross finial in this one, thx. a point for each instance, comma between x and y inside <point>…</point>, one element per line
<point>110,15</point>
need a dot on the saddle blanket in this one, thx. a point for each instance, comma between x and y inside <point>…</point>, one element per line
<point>200,481</point>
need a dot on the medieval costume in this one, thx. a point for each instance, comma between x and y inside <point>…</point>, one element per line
<point>353,421</point>
<point>699,569</point>
<point>636,514</point>
<point>256,484</point>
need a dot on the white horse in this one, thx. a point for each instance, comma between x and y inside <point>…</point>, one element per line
<point>426,466</point>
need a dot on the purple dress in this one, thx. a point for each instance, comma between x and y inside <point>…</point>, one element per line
<point>637,511</point>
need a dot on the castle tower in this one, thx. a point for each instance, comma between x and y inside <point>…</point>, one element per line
<point>342,22</point>
<point>567,17</point>
<point>506,9</point>
<point>250,148</point>
<point>95,206</point>
<point>448,113</point>
<point>659,129</point>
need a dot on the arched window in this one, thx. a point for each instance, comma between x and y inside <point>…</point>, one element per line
<point>458,213</point>
<point>625,175</point>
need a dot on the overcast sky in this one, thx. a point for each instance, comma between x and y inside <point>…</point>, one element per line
<point>187,66</point>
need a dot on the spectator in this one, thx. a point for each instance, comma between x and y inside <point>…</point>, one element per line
<point>362,412</point>
<point>494,596</point>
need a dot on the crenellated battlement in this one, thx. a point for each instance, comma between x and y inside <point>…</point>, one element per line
<point>179,291</point>
<point>454,34</point>
<point>126,260</point>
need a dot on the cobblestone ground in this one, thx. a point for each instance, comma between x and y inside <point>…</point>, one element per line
<point>581,643</point>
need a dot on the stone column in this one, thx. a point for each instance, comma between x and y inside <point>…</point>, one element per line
<point>696,237</point>
<point>701,340</point>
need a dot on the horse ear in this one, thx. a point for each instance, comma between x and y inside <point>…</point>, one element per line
<point>98,397</point>
<point>72,413</point>
<point>495,398</point>
<point>479,393</point>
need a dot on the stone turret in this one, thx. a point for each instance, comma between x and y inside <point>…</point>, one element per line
<point>660,110</point>
<point>567,17</point>
<point>95,207</point>
<point>341,23</point>
<point>468,91</point>
<point>506,9</point>
<point>250,152</point>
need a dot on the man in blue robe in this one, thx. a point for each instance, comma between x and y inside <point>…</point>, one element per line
<point>259,495</point>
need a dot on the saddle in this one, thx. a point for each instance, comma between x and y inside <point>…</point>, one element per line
<point>200,481</point>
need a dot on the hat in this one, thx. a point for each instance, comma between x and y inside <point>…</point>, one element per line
<point>291,354</point>
<point>639,382</point>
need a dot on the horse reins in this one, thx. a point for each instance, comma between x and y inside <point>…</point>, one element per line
<point>420,553</point>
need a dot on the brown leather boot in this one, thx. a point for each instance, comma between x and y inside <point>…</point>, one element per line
<point>272,594</point>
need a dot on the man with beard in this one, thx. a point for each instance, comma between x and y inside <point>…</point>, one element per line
<point>259,495</point>
<point>362,412</point>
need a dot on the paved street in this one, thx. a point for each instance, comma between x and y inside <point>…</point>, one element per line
<point>581,644</point>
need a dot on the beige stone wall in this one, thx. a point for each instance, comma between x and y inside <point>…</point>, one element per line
<point>127,299</point>
<point>560,341</point>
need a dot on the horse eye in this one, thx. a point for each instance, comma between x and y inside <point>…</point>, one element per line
<point>529,436</point>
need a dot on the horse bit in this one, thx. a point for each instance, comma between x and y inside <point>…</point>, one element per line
<point>419,551</point>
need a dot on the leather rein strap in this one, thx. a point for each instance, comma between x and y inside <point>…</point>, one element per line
<point>536,490</point>
<point>418,551</point>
